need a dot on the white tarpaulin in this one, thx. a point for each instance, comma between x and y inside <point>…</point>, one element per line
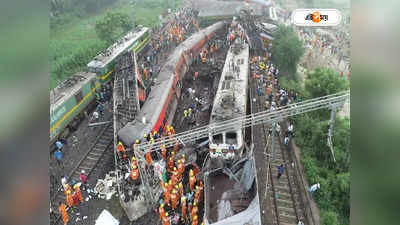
<point>106,218</point>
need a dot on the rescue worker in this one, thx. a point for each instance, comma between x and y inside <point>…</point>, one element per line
<point>149,160</point>
<point>195,220</point>
<point>174,176</point>
<point>135,174</point>
<point>181,167</point>
<point>62,208</point>
<point>185,113</point>
<point>197,195</point>
<point>166,220</point>
<point>170,163</point>
<point>192,180</point>
<point>181,191</point>
<point>137,142</point>
<point>195,210</point>
<point>164,151</point>
<point>70,201</point>
<point>161,210</point>
<point>78,193</point>
<point>121,148</point>
<point>183,159</point>
<point>190,112</point>
<point>183,208</point>
<point>134,162</point>
<point>174,199</point>
<point>67,188</point>
<point>166,194</point>
<point>201,188</point>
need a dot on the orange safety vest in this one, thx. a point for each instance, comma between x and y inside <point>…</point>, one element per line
<point>174,200</point>
<point>161,210</point>
<point>79,194</point>
<point>192,182</point>
<point>120,148</point>
<point>195,221</point>
<point>165,221</point>
<point>70,201</point>
<point>166,197</point>
<point>183,209</point>
<point>181,168</point>
<point>134,174</point>
<point>63,211</point>
<point>149,160</point>
<point>195,210</point>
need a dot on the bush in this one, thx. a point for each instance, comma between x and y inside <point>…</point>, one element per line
<point>329,218</point>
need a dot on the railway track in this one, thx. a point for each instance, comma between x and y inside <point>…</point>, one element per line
<point>88,162</point>
<point>281,196</point>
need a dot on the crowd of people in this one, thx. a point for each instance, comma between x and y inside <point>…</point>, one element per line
<point>179,26</point>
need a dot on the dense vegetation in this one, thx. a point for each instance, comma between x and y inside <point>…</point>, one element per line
<point>311,131</point>
<point>73,38</point>
<point>287,49</point>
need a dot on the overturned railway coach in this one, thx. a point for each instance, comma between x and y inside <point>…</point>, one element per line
<point>160,106</point>
<point>231,102</point>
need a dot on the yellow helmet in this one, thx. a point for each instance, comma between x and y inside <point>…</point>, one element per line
<point>173,153</point>
<point>174,191</point>
<point>170,182</point>
<point>183,198</point>
<point>166,214</point>
<point>166,184</point>
<point>133,158</point>
<point>119,142</point>
<point>194,204</point>
<point>180,184</point>
<point>145,135</point>
<point>174,168</point>
<point>197,187</point>
<point>195,217</point>
<point>176,186</point>
<point>137,141</point>
<point>183,155</point>
<point>155,132</point>
<point>68,192</point>
<point>163,146</point>
<point>190,172</point>
<point>76,186</point>
<point>179,160</point>
<point>134,166</point>
<point>162,205</point>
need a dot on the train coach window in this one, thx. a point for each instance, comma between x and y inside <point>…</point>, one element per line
<point>217,139</point>
<point>231,138</point>
<point>78,96</point>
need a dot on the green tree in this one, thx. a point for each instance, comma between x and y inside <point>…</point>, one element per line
<point>329,218</point>
<point>324,81</point>
<point>287,49</point>
<point>112,26</point>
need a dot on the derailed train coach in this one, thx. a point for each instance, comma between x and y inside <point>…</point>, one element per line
<point>159,109</point>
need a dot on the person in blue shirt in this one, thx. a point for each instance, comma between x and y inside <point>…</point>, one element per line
<point>280,171</point>
<point>59,145</point>
<point>58,154</point>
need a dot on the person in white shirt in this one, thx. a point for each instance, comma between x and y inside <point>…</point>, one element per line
<point>290,130</point>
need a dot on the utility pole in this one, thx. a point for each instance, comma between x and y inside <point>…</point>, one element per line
<point>273,141</point>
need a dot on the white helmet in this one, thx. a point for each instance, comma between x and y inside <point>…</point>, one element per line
<point>83,171</point>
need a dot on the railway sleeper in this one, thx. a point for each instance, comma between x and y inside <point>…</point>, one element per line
<point>290,219</point>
